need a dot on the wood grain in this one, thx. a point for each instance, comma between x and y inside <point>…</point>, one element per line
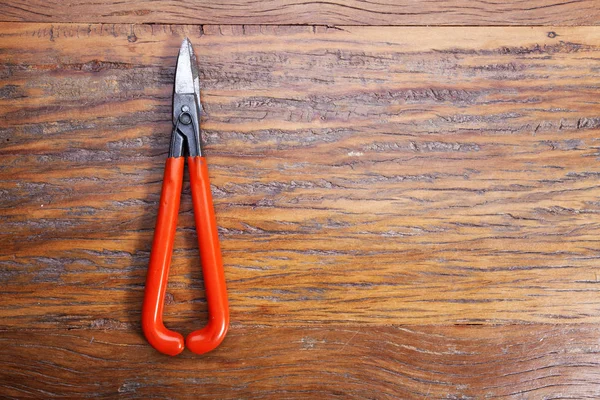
<point>287,12</point>
<point>403,212</point>
<point>370,175</point>
<point>312,362</point>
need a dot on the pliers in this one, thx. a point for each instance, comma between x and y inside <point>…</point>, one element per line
<point>185,143</point>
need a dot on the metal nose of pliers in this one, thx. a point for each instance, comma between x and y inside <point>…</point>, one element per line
<point>185,143</point>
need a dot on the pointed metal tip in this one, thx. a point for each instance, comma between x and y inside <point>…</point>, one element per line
<point>186,76</point>
<point>185,47</point>
<point>186,44</point>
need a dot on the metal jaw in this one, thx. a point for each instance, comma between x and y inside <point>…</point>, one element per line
<point>185,139</point>
<point>187,109</point>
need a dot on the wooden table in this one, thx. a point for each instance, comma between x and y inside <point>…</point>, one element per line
<point>404,211</point>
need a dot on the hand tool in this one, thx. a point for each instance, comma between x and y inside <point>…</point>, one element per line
<point>185,142</point>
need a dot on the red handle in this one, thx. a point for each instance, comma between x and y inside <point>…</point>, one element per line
<point>161,338</point>
<point>209,337</point>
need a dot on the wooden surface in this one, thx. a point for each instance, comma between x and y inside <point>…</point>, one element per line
<point>403,212</point>
<point>294,12</point>
<point>334,361</point>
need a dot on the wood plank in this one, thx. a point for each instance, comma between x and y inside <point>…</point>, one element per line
<point>367,175</point>
<point>287,12</point>
<point>531,361</point>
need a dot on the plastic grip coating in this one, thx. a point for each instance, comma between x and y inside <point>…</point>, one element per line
<point>209,337</point>
<point>161,338</point>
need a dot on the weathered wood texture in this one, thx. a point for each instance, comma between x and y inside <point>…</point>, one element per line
<point>375,175</point>
<point>287,12</point>
<point>363,177</point>
<point>530,362</point>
